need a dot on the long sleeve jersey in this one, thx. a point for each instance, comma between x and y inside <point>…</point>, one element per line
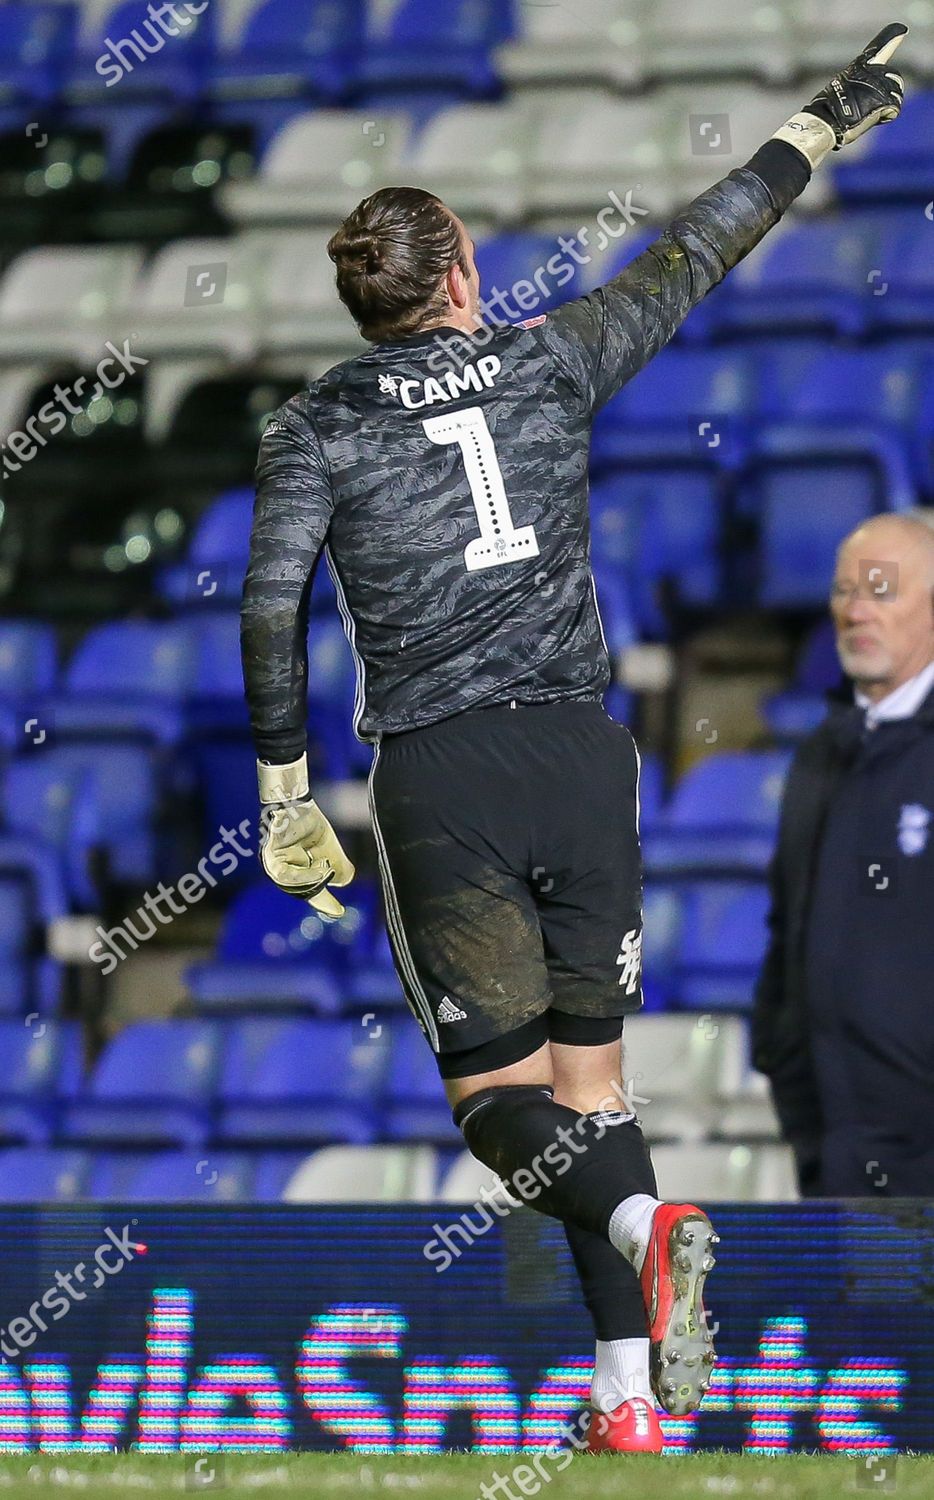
<point>445,477</point>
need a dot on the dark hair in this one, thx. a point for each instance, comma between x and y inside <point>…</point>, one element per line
<point>392,255</point>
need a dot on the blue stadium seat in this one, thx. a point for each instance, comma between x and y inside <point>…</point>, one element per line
<point>148,63</point>
<point>867,399</point>
<point>688,406</point>
<point>274,951</point>
<point>28,657</point>
<point>615,604</point>
<point>55,805</point>
<point>219,746</point>
<point>272,1171</point>
<point>661,527</point>
<point>28,981</point>
<point>651,788</point>
<point>662,922</point>
<point>203,1176</point>
<point>372,981</point>
<point>40,1174</point>
<point>793,714</point>
<point>907,309</point>
<point>723,940</point>
<point>517,265</point>
<point>124,124</point>
<point>416,1108</point>
<point>36,40</point>
<point>40,1062</point>
<point>880,387</point>
<point>217,689</point>
<point>127,678</point>
<point>125,782</point>
<point>854,470</point>
<point>818,277</point>
<point>223,768</point>
<point>879,383</point>
<point>722,815</point>
<point>818,665</point>
<point>211,576</point>
<point>16,941</point>
<point>420,44</point>
<point>332,689</point>
<point>300,49</point>
<point>619,704</point>
<point>212,573</point>
<point>925,432</point>
<point>894,164</point>
<point>301,1082</point>
<point>42,870</point>
<point>797,710</point>
<point>152,1085</point>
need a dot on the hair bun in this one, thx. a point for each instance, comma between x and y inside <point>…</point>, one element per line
<point>363,254</point>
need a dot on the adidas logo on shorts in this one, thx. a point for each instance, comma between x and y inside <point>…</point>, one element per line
<point>448,1011</point>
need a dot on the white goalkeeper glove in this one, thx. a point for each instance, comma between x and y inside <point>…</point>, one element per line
<point>299,849</point>
<point>861,96</point>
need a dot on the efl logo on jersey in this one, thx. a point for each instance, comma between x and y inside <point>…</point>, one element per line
<point>446,387</point>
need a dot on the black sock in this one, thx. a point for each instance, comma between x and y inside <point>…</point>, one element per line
<point>573,1167</point>
<point>612,1294</point>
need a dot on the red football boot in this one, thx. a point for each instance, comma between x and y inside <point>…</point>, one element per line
<point>632,1428</point>
<point>676,1265</point>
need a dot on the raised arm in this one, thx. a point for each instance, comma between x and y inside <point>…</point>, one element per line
<point>616,330</point>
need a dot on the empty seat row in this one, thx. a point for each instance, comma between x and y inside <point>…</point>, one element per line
<point>628,42</point>
<point>147,678</point>
<point>334,48</point>
<point>372,1173</point>
<point>305,48</point>
<point>553,160</point>
<point>158,680</point>
<point>297,1083</point>
<point>348,1174</point>
<point>269,161</point>
<point>149,710</point>
<point>272,291</point>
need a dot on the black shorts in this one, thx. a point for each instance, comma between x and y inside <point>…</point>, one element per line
<point>509,852</point>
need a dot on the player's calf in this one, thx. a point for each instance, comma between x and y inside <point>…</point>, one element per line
<point>573,1168</point>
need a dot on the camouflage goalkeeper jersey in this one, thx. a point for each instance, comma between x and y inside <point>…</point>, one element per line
<point>445,475</point>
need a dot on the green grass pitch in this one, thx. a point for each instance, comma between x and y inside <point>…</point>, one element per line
<point>462,1477</point>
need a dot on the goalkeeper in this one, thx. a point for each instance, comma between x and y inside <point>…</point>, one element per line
<point>504,800</point>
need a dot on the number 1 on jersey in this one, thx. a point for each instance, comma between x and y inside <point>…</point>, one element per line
<point>500,542</point>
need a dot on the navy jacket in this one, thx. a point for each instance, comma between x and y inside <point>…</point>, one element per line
<point>843,1021</point>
